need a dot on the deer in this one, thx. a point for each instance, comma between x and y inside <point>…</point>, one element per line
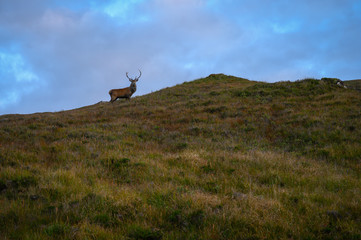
<point>125,92</point>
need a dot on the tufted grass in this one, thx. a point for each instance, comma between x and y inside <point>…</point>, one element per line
<point>217,158</point>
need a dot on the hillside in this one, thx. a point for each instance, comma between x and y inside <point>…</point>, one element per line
<point>217,158</point>
<point>354,84</point>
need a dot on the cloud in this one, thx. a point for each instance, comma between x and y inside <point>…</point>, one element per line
<point>17,79</point>
<point>72,53</point>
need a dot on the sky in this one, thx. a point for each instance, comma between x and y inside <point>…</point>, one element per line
<point>63,54</point>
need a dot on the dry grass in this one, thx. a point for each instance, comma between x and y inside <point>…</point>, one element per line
<point>216,158</point>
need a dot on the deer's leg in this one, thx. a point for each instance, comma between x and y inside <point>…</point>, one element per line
<point>112,99</point>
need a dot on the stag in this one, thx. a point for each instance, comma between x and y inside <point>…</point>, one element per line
<point>125,92</point>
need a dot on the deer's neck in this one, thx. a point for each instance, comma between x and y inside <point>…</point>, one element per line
<point>133,88</point>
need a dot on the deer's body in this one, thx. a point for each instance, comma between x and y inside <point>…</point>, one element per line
<point>124,92</point>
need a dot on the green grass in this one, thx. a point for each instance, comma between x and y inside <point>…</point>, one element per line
<point>354,84</point>
<point>216,158</point>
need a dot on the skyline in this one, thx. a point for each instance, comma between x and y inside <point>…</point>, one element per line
<point>59,55</point>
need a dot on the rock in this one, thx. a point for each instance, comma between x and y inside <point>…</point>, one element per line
<point>341,84</point>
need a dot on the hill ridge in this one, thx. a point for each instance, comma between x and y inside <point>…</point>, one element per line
<point>354,84</point>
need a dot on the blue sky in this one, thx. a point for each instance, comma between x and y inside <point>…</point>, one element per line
<point>63,54</point>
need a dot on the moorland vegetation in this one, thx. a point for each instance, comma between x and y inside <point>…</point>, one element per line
<point>217,158</point>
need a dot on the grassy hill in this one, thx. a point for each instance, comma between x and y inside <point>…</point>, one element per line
<point>354,84</point>
<point>216,158</point>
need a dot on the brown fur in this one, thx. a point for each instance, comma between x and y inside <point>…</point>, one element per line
<point>120,93</point>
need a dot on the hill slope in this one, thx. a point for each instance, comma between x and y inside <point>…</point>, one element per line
<point>217,158</point>
<point>354,84</point>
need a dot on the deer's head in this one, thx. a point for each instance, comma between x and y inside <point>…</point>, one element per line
<point>134,80</point>
<point>133,86</point>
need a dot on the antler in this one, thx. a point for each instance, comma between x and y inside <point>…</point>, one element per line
<point>135,79</point>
